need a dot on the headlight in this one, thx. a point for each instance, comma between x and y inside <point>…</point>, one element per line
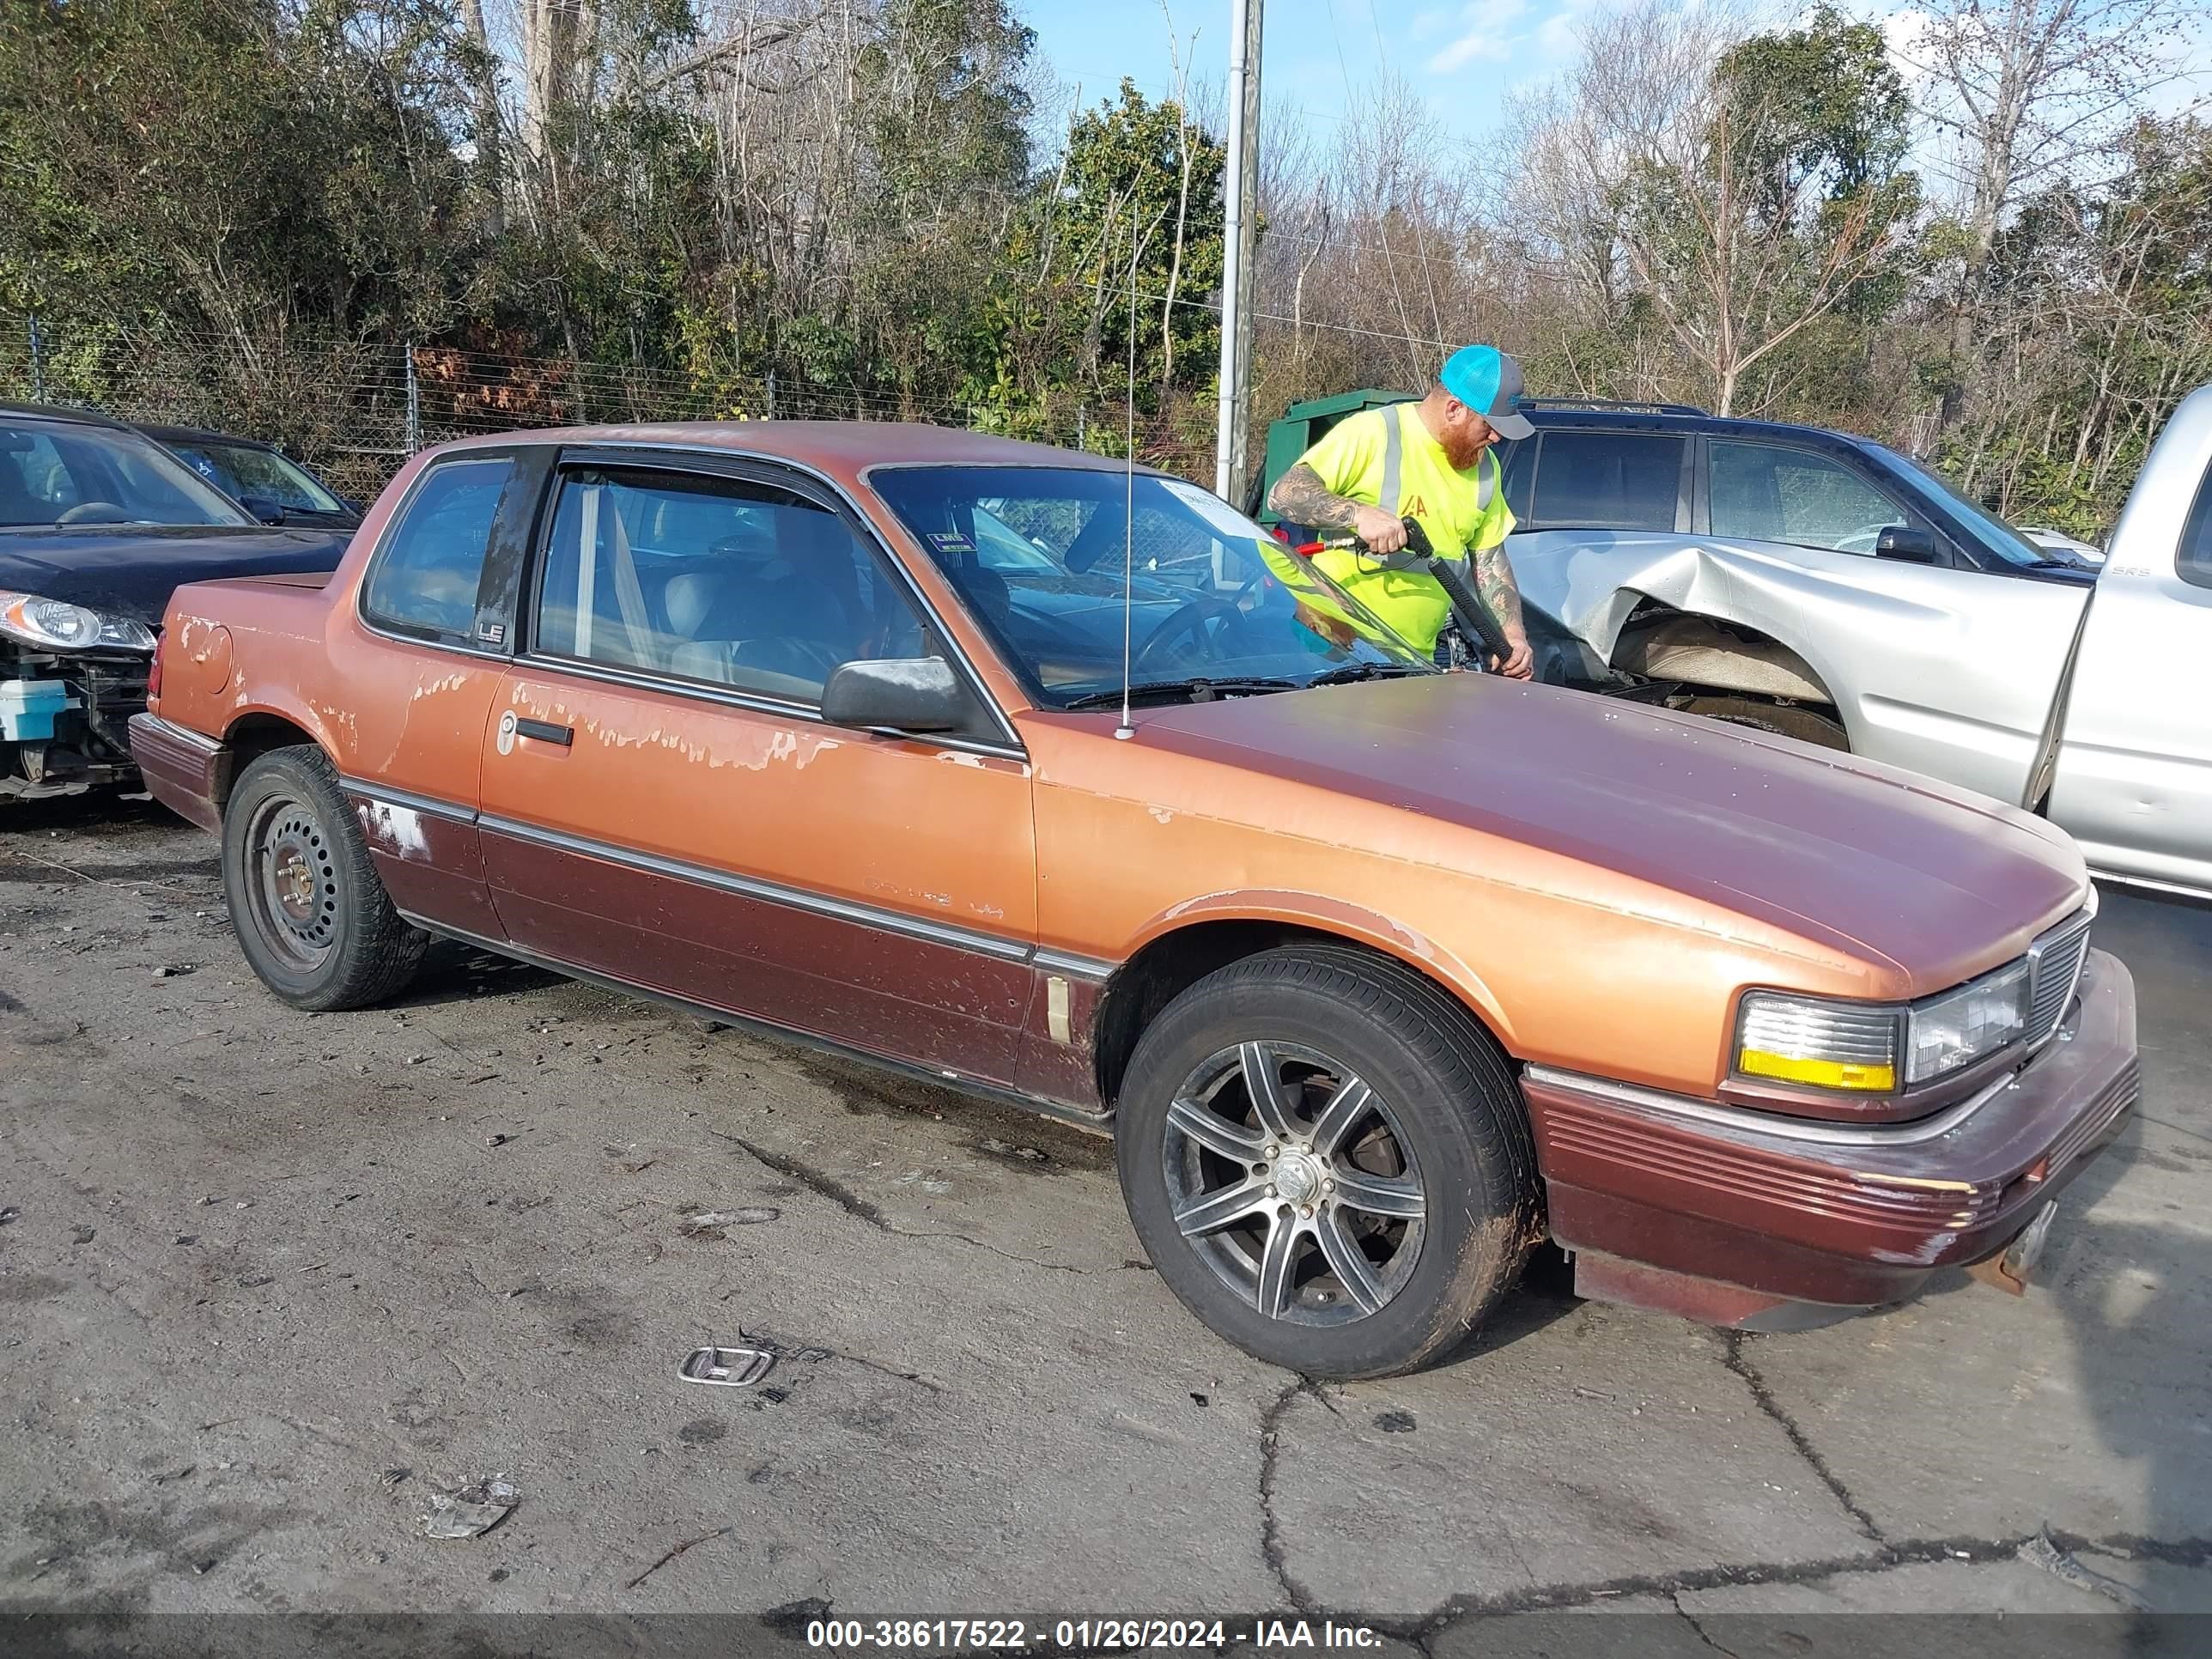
<point>1830,1045</point>
<point>1960,1027</point>
<point>1864,1049</point>
<point>56,625</point>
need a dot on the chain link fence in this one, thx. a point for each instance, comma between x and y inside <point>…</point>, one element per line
<point>353,411</point>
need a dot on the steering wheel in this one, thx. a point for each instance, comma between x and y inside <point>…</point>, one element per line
<point>1188,620</point>
<point>95,513</point>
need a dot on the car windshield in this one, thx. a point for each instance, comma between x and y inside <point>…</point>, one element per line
<point>243,469</point>
<point>2000,536</point>
<point>59,473</point>
<point>1038,554</point>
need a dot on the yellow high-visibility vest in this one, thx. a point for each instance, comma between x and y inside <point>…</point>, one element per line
<point>1386,458</point>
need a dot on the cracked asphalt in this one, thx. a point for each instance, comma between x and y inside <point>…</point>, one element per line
<point>268,1282</point>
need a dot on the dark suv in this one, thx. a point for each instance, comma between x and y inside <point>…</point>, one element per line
<point>1671,468</point>
<point>1803,581</point>
<point>1806,581</point>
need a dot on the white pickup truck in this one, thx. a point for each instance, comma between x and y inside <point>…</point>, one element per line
<point>2131,772</point>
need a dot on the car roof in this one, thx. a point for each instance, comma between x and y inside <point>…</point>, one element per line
<point>838,445</point>
<point>1682,421</point>
<point>171,434</point>
<point>59,412</point>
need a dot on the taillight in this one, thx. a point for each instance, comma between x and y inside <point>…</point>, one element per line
<point>153,669</point>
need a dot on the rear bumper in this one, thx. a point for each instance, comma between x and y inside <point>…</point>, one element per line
<point>1725,1214</point>
<point>184,769</point>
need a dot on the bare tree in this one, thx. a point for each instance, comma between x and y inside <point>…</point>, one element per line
<point>2026,89</point>
<point>1641,74</point>
<point>1739,264</point>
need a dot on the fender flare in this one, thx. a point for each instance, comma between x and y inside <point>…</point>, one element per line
<point>1354,923</point>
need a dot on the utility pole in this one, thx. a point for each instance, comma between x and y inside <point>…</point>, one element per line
<point>1241,221</point>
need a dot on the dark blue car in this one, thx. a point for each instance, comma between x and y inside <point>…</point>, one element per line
<point>98,526</point>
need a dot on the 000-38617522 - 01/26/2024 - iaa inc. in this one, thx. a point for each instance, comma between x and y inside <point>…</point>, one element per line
<point>1086,1635</point>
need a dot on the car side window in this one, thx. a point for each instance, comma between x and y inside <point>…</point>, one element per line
<point>36,485</point>
<point>1772,493</point>
<point>721,580</point>
<point>427,569</point>
<point>2193,559</point>
<point>1520,471</point>
<point>1607,480</point>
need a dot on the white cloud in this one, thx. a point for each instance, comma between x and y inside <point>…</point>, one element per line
<point>1486,35</point>
<point>1904,32</point>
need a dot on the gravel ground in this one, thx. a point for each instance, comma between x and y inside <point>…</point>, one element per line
<point>270,1282</point>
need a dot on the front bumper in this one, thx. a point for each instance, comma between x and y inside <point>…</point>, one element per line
<point>73,741</point>
<point>1725,1214</point>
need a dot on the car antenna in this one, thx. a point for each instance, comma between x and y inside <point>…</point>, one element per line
<point>1125,731</point>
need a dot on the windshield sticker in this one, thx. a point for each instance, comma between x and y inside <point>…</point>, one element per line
<point>951,541</point>
<point>1219,516</point>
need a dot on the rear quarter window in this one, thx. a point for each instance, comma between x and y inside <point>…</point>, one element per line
<point>1606,481</point>
<point>2193,559</point>
<point>427,569</point>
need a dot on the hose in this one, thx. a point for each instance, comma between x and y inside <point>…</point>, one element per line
<point>1468,611</point>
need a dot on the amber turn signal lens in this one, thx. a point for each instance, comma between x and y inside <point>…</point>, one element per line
<point>1820,1073</point>
<point>1821,1044</point>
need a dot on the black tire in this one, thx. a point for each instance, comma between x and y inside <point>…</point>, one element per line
<point>1784,720</point>
<point>1444,1110</point>
<point>309,908</point>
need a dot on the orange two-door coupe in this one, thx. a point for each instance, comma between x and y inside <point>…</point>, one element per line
<point>1379,976</point>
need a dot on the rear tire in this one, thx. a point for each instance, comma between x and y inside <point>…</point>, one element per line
<point>1784,719</point>
<point>1365,1221</point>
<point>310,911</point>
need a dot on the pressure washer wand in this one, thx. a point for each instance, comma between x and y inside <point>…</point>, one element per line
<point>1472,616</point>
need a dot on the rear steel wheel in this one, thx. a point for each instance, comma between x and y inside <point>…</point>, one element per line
<point>292,886</point>
<point>306,902</point>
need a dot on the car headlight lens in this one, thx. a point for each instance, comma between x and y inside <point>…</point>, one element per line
<point>1866,1049</point>
<point>57,625</point>
<point>1828,1045</point>
<point>1960,1027</point>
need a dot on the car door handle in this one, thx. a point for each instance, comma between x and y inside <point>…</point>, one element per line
<point>545,732</point>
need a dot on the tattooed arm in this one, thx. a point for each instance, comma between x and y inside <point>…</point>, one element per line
<point>1493,581</point>
<point>1300,496</point>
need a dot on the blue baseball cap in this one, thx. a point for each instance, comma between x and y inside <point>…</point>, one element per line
<point>1488,382</point>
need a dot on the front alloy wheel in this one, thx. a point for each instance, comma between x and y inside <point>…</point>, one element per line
<point>1328,1160</point>
<point>1295,1183</point>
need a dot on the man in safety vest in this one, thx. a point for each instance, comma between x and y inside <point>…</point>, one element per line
<point>1429,461</point>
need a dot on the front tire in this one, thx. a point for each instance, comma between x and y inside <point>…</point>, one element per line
<point>1328,1162</point>
<point>1784,719</point>
<point>310,911</point>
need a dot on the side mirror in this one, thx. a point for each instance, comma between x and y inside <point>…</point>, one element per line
<point>1900,541</point>
<point>906,694</point>
<point>262,508</point>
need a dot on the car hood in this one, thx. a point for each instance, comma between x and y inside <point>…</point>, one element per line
<point>131,571</point>
<point>1939,881</point>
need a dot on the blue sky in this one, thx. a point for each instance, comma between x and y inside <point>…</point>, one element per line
<point>1458,57</point>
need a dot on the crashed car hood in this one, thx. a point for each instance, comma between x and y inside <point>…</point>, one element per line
<point>130,571</point>
<point>1927,876</point>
